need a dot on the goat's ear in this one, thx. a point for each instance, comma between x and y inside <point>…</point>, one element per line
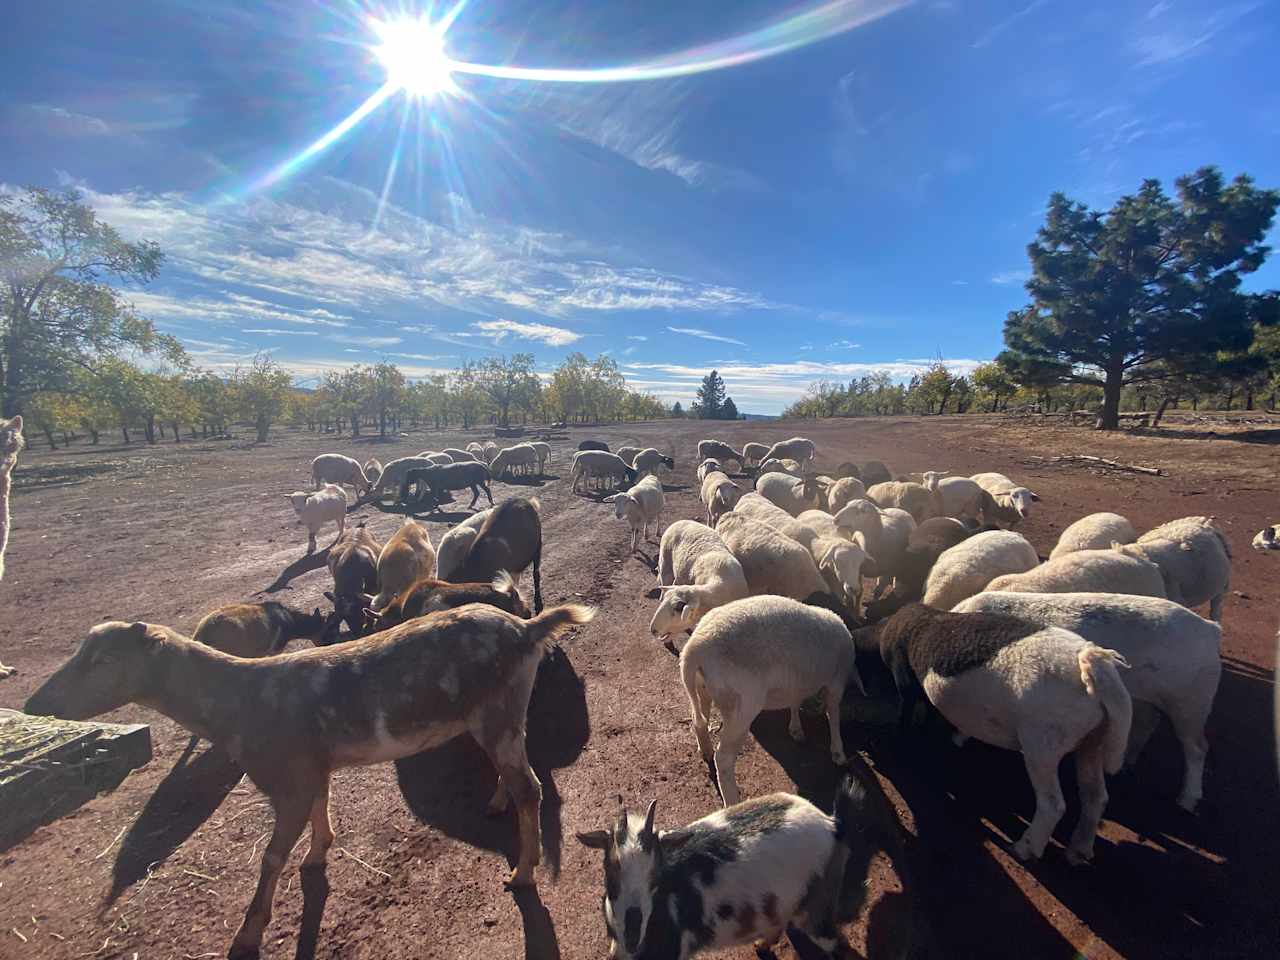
<point>1269,534</point>
<point>595,839</point>
<point>372,614</point>
<point>1035,497</point>
<point>647,829</point>
<point>331,598</point>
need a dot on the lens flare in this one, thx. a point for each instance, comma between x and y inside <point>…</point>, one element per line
<point>412,51</point>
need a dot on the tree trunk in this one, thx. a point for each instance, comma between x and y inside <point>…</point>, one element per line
<point>149,429</point>
<point>48,435</point>
<point>1248,398</point>
<point>125,431</point>
<point>355,424</point>
<point>382,424</point>
<point>177,434</point>
<point>1155,421</point>
<point>1109,417</point>
<point>263,426</point>
<point>93,434</point>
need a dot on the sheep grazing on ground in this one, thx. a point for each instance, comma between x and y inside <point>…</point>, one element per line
<point>791,468</point>
<point>510,541</point>
<point>640,506</point>
<point>709,465</point>
<point>1266,539</point>
<point>847,468</point>
<point>799,449</point>
<point>915,498</point>
<point>435,458</point>
<point>650,460</point>
<point>11,444</point>
<point>842,563</point>
<point>372,470</point>
<point>772,562</point>
<point>764,653</point>
<point>408,556</point>
<point>793,494</point>
<point>394,473</point>
<point>593,445</point>
<point>719,494</point>
<point>430,595</point>
<point>1194,559</point>
<point>252,630</point>
<point>719,450</point>
<point>1175,658</point>
<point>476,449</point>
<point>959,497</point>
<point>521,457</point>
<point>770,865</point>
<point>873,472</point>
<point>886,534</point>
<point>435,483</point>
<point>1012,502</point>
<point>1043,691</point>
<point>968,567</point>
<point>314,510</point>
<point>766,511</point>
<point>628,454</point>
<point>926,543</point>
<point>753,453</point>
<point>601,465</point>
<point>1086,571</point>
<point>460,456</point>
<point>844,491</point>
<point>543,450</point>
<point>353,564</point>
<point>455,544</point>
<point>489,451</point>
<point>1097,531</point>
<point>290,721</point>
<point>696,573</point>
<point>339,469</point>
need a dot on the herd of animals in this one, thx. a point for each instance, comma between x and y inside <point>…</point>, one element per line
<point>1078,654</point>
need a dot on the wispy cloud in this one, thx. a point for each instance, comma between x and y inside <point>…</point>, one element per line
<point>1163,38</point>
<point>995,30</point>
<point>267,332</point>
<point>422,356</point>
<point>636,338</point>
<point>362,341</point>
<point>1007,278</point>
<point>706,335</point>
<point>845,345</point>
<point>230,309</point>
<point>499,330</point>
<point>59,121</point>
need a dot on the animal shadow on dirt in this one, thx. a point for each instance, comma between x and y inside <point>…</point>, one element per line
<point>540,941</point>
<point>315,894</point>
<point>312,561</point>
<point>529,481</point>
<point>187,797</point>
<point>448,787</point>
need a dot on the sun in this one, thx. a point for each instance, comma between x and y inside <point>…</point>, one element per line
<point>412,51</point>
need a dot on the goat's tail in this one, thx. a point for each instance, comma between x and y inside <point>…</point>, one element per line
<point>1100,673</point>
<point>548,626</point>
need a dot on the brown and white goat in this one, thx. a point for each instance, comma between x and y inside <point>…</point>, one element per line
<point>353,562</point>
<point>253,630</point>
<point>290,721</point>
<point>509,540</point>
<point>430,595</point>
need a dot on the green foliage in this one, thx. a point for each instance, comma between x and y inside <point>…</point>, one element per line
<point>508,382</point>
<point>262,393</point>
<point>709,404</point>
<point>730,409</point>
<point>1149,288</point>
<point>873,395</point>
<point>991,384</point>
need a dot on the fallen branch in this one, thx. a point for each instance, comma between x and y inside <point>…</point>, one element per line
<point>1101,462</point>
<point>368,866</point>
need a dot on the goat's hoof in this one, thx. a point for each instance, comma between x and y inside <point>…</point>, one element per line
<point>797,734</point>
<point>1078,856</point>
<point>1024,851</point>
<point>1189,804</point>
<point>521,877</point>
<point>839,759</point>
<point>243,952</point>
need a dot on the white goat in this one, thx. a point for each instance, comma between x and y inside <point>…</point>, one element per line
<point>640,506</point>
<point>1194,558</point>
<point>1097,531</point>
<point>314,510</point>
<point>970,565</point>
<point>455,544</point>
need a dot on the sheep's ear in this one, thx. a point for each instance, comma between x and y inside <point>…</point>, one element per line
<point>331,598</point>
<point>1035,497</point>
<point>1269,534</point>
<point>595,839</point>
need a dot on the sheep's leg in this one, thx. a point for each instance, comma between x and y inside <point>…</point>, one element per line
<point>1093,800</point>
<point>1188,724</point>
<point>475,496</point>
<point>733,731</point>
<point>500,800</point>
<point>700,708</point>
<point>834,694</point>
<point>1215,608</point>
<point>292,813</point>
<point>321,829</point>
<point>794,728</point>
<point>1042,768</point>
<point>1145,720</point>
<point>487,492</point>
<point>311,541</point>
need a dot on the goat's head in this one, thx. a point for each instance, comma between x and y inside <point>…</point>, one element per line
<point>632,867</point>
<point>11,442</point>
<point>114,665</point>
<point>679,610</point>
<point>349,609</point>
<point>1266,539</point>
<point>504,583</point>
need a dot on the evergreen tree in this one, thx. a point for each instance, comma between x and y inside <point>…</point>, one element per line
<point>710,397</point>
<point>677,410</point>
<point>730,410</point>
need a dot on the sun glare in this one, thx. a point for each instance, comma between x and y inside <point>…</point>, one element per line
<point>412,51</point>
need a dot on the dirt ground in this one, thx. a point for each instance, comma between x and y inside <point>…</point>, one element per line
<point>164,865</point>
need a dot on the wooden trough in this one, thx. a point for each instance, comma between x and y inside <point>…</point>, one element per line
<point>50,767</point>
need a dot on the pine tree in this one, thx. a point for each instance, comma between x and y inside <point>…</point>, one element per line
<point>677,410</point>
<point>730,410</point>
<point>710,400</point>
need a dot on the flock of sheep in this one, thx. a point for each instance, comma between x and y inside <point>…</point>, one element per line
<point>1077,655</point>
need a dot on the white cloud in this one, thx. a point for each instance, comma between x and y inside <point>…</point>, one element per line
<point>1179,37</point>
<point>362,341</point>
<point>705,335</point>
<point>498,330</point>
<point>278,333</point>
<point>234,309</point>
<point>59,121</point>
<point>423,356</point>
<point>640,339</point>
<point>1009,277</point>
<point>995,30</point>
<point>846,345</point>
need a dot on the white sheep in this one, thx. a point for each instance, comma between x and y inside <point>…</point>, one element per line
<point>488,451</point>
<point>454,545</point>
<point>1012,502</point>
<point>628,454</point>
<point>476,450</point>
<point>842,563</point>
<point>640,506</point>
<point>314,510</point>
<point>339,469</point>
<point>1042,691</point>
<point>394,472</point>
<point>793,494</point>
<point>719,494</point>
<point>1175,658</point>
<point>709,465</point>
<point>1086,571</point>
<point>791,468</point>
<point>651,460</point>
<point>1265,539</point>
<point>970,565</point>
<point>799,449</point>
<point>461,456</point>
<point>599,464</point>
<point>772,562</point>
<point>696,573</point>
<point>753,505</point>
<point>372,469</point>
<point>436,458</point>
<point>915,498</point>
<point>844,491</point>
<point>764,653</point>
<point>720,451</point>
<point>1194,558</point>
<point>1097,531</point>
<point>886,535</point>
<point>961,498</point>
<point>753,454</point>
<point>544,455</point>
<point>521,456</point>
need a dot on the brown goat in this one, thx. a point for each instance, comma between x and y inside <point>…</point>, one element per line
<point>509,540</point>
<point>430,595</point>
<point>290,721</point>
<point>353,562</point>
<point>407,557</point>
<point>256,629</point>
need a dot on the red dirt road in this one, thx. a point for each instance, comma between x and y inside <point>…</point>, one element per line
<point>164,865</point>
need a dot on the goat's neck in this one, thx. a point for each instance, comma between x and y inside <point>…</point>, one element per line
<point>200,688</point>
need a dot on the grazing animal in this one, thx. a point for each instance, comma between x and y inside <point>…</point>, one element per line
<point>436,482</point>
<point>793,494</point>
<point>847,468</point>
<point>696,573</point>
<point>252,630</point>
<point>1086,571</point>
<point>353,564</point>
<point>429,595</point>
<point>968,567</point>
<point>751,872</point>
<point>1265,540</point>
<point>959,497</point>
<point>1043,691</point>
<point>873,472</point>
<point>455,544</point>
<point>461,456</point>
<point>339,469</point>
<point>372,470</point>
<point>650,460</point>
<point>926,543</point>
<point>915,498</point>
<point>1012,502</point>
<point>886,534</point>
<point>640,506</point>
<point>753,453</point>
<point>543,450</point>
<point>522,456</point>
<point>600,464</point>
<point>764,653</point>
<point>719,494</point>
<point>1194,559</point>
<point>798,449</point>
<point>719,450</point>
<point>290,721</point>
<point>756,507</point>
<point>314,510</point>
<point>593,445</point>
<point>710,465</point>
<point>509,541</point>
<point>394,472</point>
<point>11,444</point>
<point>628,454</point>
<point>843,492</point>
<point>773,563</point>
<point>1097,531</point>
<point>408,556</point>
<point>1175,660</point>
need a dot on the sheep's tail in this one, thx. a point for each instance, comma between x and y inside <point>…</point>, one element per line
<point>1100,673</point>
<point>693,678</point>
<point>1222,537</point>
<point>547,627</point>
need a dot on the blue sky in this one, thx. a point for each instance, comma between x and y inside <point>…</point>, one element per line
<point>860,202</point>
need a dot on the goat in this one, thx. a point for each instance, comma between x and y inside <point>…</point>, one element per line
<point>253,630</point>
<point>510,539</point>
<point>436,482</point>
<point>353,563</point>
<point>406,557</point>
<point>314,510</point>
<point>429,595</point>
